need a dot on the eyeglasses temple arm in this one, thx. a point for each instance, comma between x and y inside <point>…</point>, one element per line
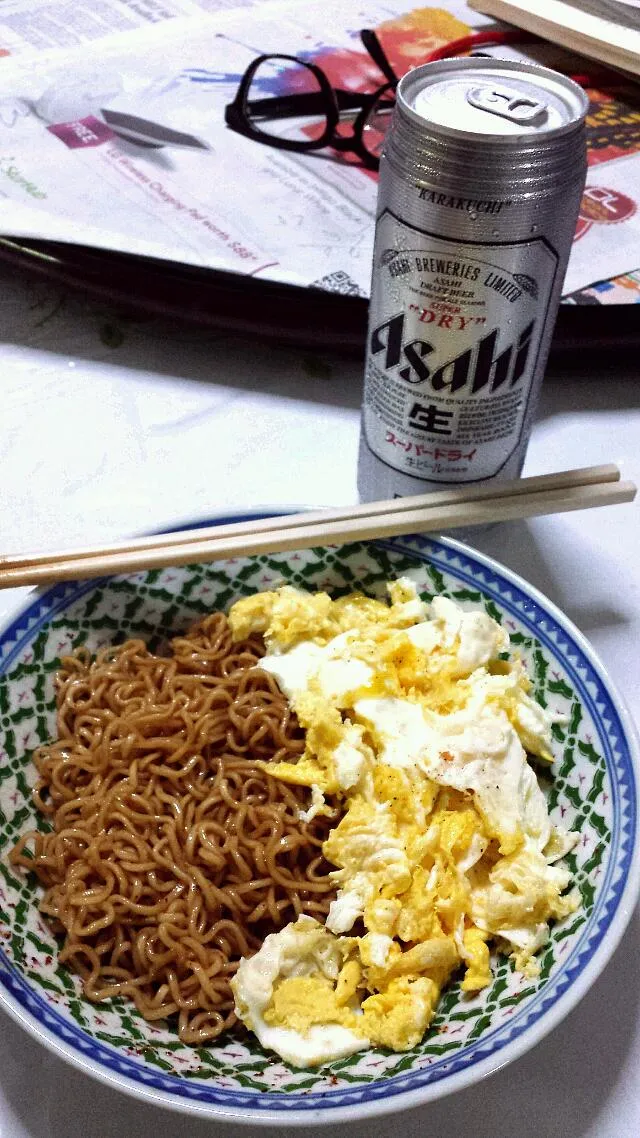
<point>375,49</point>
<point>313,102</point>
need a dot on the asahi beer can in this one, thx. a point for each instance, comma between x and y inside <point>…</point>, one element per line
<point>480,184</point>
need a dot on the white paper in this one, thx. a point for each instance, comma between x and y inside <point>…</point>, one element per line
<point>608,233</point>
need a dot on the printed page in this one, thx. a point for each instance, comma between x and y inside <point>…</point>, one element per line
<point>40,25</point>
<point>222,5</point>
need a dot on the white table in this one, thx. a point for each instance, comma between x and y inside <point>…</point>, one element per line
<point>99,441</point>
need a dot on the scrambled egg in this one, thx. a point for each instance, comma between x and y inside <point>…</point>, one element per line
<point>420,721</point>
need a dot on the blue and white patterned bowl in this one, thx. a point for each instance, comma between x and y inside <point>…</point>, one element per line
<point>594,790</point>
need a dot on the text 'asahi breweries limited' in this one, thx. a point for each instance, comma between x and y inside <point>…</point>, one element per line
<point>480,185</point>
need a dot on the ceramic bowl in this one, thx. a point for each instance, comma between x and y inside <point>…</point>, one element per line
<point>593,790</point>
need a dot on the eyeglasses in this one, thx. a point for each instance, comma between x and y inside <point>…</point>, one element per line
<point>313,114</point>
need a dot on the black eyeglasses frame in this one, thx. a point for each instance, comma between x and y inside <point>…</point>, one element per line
<point>240,115</point>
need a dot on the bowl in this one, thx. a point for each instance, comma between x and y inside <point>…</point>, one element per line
<point>593,790</point>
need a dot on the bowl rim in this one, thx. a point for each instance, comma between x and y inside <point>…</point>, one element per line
<point>512,1049</point>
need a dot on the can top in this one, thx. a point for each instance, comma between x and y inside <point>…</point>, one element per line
<point>495,97</point>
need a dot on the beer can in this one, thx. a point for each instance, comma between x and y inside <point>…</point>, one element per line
<point>481,179</point>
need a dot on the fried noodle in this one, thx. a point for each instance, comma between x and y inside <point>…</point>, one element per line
<point>172,852</point>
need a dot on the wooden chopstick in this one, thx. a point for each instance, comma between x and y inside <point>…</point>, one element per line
<point>330,527</point>
<point>565,479</point>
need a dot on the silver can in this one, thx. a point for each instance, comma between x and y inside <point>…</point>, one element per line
<point>480,184</point>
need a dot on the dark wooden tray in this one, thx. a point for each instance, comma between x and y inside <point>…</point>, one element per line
<point>286,313</point>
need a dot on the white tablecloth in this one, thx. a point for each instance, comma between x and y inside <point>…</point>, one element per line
<point>110,425</point>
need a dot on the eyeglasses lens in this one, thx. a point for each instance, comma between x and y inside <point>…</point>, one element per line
<point>298,121</point>
<point>378,122</point>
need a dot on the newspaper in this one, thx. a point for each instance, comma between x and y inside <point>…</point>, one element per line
<point>37,25</point>
<point>125,146</point>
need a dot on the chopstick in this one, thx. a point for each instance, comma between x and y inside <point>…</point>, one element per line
<point>583,476</point>
<point>544,494</point>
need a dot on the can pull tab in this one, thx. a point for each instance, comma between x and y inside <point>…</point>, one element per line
<point>509,104</point>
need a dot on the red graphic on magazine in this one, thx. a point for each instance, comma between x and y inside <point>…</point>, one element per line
<point>601,206</point>
<point>407,40</point>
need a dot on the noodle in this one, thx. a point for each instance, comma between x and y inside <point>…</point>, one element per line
<point>173,852</point>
